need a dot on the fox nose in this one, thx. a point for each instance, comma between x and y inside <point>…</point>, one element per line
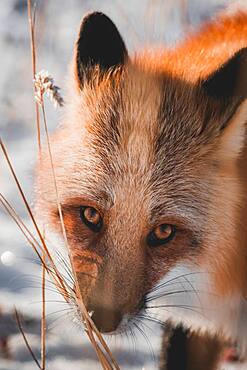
<point>106,320</point>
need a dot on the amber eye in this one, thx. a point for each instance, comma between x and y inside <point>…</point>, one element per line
<point>162,234</point>
<point>91,218</point>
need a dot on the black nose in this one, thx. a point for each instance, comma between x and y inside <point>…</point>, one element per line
<point>105,319</point>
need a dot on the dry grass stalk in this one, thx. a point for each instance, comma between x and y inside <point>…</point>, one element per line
<point>43,318</point>
<point>18,320</point>
<point>33,53</point>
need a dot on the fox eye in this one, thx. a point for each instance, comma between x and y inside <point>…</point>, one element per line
<point>162,234</point>
<point>91,218</point>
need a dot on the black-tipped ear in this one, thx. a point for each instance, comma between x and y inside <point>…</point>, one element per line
<point>229,82</point>
<point>99,44</point>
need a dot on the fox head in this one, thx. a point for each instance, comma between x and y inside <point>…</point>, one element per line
<point>146,165</point>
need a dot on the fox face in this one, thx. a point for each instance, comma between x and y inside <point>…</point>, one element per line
<point>146,164</point>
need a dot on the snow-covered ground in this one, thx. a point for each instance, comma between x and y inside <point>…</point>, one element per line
<point>57,23</point>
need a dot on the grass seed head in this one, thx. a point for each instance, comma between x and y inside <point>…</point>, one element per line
<point>44,84</point>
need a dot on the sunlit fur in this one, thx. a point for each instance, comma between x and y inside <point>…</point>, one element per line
<point>134,144</point>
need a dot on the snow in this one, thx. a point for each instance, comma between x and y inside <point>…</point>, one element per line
<point>57,24</point>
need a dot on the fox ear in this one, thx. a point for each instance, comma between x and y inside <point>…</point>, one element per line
<point>229,82</point>
<point>227,88</point>
<point>99,45</point>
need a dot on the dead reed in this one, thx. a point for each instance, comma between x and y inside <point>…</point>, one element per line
<point>43,315</point>
<point>18,320</point>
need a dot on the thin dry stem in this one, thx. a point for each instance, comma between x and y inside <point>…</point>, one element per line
<point>43,319</point>
<point>33,53</point>
<point>101,339</point>
<point>100,354</point>
<point>18,320</point>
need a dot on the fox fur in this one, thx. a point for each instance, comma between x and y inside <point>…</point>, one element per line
<point>156,138</point>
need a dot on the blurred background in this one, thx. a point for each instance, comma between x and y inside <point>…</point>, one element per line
<point>141,22</point>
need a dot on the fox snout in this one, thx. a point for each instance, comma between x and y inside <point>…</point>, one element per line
<point>106,320</point>
<point>109,290</point>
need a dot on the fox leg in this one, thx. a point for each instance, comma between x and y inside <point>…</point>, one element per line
<point>182,350</point>
<point>173,350</point>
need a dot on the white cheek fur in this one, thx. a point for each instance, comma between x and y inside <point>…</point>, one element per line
<point>188,297</point>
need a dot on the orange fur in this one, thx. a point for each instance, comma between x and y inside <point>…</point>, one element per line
<point>203,52</point>
<point>144,145</point>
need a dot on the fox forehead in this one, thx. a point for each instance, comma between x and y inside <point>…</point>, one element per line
<point>142,128</point>
<point>135,141</point>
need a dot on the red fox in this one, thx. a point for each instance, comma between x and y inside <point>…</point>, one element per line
<point>150,164</point>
